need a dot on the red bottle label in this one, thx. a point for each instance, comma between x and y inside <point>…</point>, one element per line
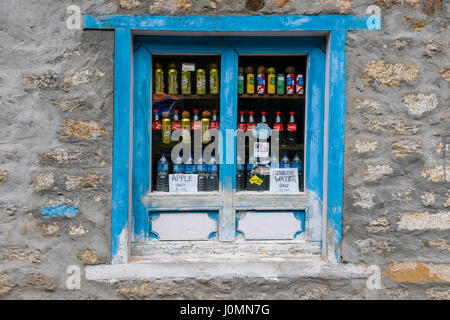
<point>176,125</point>
<point>196,125</point>
<point>214,126</point>
<point>241,126</point>
<point>292,127</point>
<point>157,125</point>
<point>250,126</point>
<point>278,127</point>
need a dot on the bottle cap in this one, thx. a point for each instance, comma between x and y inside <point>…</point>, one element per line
<point>250,112</point>
<point>278,112</point>
<point>241,112</point>
<point>163,155</point>
<point>195,111</point>
<point>263,112</point>
<point>292,112</point>
<point>214,111</point>
<point>175,111</point>
<point>156,111</point>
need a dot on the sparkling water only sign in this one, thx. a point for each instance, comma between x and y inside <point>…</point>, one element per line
<point>284,180</point>
<point>183,182</point>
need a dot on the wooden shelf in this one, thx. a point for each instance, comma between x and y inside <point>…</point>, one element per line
<point>271,96</point>
<point>197,96</point>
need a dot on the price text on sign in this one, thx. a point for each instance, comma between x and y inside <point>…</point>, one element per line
<point>284,180</point>
<point>183,182</point>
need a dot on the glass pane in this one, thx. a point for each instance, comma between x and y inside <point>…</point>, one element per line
<point>271,123</point>
<point>185,123</point>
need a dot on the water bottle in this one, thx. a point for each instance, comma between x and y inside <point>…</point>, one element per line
<point>162,174</point>
<point>285,162</point>
<point>250,165</point>
<point>264,172</point>
<point>201,169</point>
<point>189,167</point>
<point>240,174</point>
<point>274,162</point>
<point>213,178</point>
<point>297,164</point>
<point>178,166</point>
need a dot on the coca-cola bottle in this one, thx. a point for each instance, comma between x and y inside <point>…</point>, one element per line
<point>214,125</point>
<point>292,130</point>
<point>251,124</point>
<point>156,126</point>
<point>196,133</point>
<point>241,122</point>
<point>278,127</point>
<point>176,123</point>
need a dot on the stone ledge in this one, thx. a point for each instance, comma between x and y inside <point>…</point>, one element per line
<point>262,268</point>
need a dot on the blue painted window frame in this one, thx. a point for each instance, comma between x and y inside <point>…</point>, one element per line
<point>125,26</point>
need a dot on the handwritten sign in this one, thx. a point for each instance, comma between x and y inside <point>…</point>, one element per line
<point>283,180</point>
<point>183,182</point>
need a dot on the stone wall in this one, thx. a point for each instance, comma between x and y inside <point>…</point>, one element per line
<point>56,104</point>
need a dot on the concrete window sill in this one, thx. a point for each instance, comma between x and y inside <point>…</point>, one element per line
<point>211,259</point>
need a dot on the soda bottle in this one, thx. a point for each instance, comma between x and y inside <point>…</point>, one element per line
<point>241,123</point>
<point>250,80</point>
<point>201,169</point>
<point>214,125</point>
<point>213,79</point>
<point>281,84</point>
<point>290,80</point>
<point>278,126</point>
<point>250,165</point>
<point>189,167</point>
<point>299,82</point>
<point>156,126</point>
<point>261,80</point>
<point>285,162</point>
<point>176,123</point>
<point>240,80</point>
<point>240,174</point>
<point>159,78</point>
<point>196,129</point>
<point>297,164</point>
<point>162,174</point>
<point>292,130</point>
<point>213,178</point>
<point>251,121</point>
<point>173,79</point>
<point>178,166</point>
<point>271,80</point>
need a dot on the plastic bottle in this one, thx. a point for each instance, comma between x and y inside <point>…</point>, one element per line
<point>156,126</point>
<point>285,162</point>
<point>250,165</point>
<point>241,122</point>
<point>213,178</point>
<point>162,174</point>
<point>189,167</point>
<point>251,121</point>
<point>202,172</point>
<point>240,174</point>
<point>278,126</point>
<point>297,164</point>
<point>292,130</point>
<point>178,166</point>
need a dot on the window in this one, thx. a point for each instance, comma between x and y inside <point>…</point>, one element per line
<point>313,44</point>
<point>257,190</point>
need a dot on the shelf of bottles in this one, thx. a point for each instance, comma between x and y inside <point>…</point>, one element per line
<point>271,118</point>
<point>186,109</point>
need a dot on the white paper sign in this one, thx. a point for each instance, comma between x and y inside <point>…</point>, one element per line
<point>261,150</point>
<point>183,182</point>
<point>188,66</point>
<point>284,180</point>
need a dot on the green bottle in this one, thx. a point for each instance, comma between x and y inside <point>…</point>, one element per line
<point>240,80</point>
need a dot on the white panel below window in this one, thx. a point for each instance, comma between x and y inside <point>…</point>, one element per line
<point>184,226</point>
<point>269,225</point>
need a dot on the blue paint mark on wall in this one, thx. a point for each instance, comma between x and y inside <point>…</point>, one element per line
<point>59,211</point>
